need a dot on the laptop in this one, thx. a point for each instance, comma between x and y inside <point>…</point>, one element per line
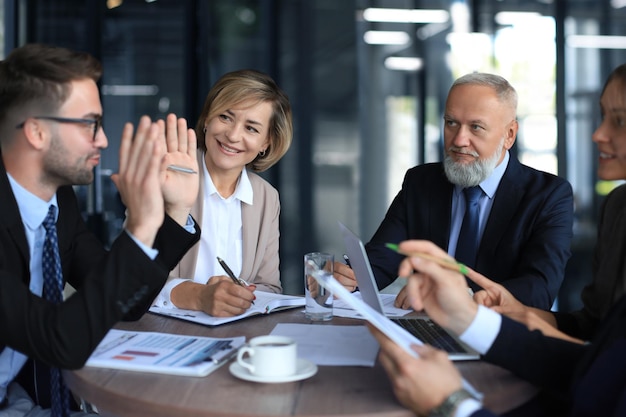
<point>421,327</point>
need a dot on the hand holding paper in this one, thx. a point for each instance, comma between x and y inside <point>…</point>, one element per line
<point>397,334</point>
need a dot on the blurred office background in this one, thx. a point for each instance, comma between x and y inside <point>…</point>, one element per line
<point>367,80</point>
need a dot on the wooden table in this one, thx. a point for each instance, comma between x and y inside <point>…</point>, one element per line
<point>333,391</point>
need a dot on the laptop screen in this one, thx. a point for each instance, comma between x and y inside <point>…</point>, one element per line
<point>362,268</point>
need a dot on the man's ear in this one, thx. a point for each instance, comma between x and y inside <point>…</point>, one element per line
<point>35,134</point>
<point>511,134</point>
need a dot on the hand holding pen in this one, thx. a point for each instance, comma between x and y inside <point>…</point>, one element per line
<point>402,299</point>
<point>431,286</point>
<point>447,263</point>
<point>344,274</point>
<point>347,260</point>
<point>229,272</point>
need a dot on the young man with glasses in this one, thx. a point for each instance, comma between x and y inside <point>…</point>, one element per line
<point>50,140</point>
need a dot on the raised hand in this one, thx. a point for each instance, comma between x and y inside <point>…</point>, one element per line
<point>180,189</point>
<point>138,179</point>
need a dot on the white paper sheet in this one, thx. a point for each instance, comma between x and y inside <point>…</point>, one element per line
<point>331,345</point>
<point>382,323</point>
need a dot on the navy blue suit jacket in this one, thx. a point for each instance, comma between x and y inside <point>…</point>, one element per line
<point>592,376</point>
<point>526,242</point>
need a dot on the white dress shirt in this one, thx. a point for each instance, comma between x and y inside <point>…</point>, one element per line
<point>222,235</point>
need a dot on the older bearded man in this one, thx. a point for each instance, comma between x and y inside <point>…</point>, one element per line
<point>522,223</point>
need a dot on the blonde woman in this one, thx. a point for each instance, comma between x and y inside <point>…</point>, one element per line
<point>245,127</point>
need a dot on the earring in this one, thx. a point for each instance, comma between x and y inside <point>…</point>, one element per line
<point>204,129</point>
<point>262,153</point>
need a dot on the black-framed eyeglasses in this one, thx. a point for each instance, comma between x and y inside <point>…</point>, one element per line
<point>96,122</point>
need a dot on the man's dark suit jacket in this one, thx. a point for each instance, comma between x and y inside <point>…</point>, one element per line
<point>526,242</point>
<point>111,285</point>
<point>592,376</point>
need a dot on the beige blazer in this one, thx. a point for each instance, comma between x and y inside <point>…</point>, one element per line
<point>260,222</point>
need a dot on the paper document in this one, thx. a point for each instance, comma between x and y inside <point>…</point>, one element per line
<point>382,323</point>
<point>265,303</point>
<point>331,345</point>
<point>163,352</point>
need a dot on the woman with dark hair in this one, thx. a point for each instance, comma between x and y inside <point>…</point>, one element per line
<point>609,262</point>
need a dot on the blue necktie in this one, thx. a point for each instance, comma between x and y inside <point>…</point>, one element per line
<point>467,245</point>
<point>53,292</point>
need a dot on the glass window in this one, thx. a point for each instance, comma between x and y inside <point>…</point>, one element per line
<point>367,93</point>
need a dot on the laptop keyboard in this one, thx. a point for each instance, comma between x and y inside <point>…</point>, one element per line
<point>430,333</point>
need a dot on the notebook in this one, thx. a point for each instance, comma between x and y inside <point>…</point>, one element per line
<point>421,327</point>
<point>264,303</point>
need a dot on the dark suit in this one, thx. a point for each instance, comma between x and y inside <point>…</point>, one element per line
<point>609,270</point>
<point>526,242</point>
<point>592,377</point>
<point>111,285</point>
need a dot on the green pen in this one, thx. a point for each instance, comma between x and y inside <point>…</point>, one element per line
<point>446,263</point>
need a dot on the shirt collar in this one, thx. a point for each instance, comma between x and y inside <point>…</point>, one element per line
<point>33,209</point>
<point>491,183</point>
<point>243,190</point>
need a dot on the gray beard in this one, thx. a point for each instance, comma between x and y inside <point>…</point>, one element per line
<point>470,175</point>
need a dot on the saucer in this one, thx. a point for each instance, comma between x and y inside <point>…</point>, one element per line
<point>304,369</point>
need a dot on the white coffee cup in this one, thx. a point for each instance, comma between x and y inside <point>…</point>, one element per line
<point>269,356</point>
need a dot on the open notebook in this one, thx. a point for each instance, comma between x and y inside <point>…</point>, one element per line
<point>265,303</point>
<point>421,327</point>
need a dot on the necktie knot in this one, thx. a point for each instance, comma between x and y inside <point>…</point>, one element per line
<point>49,222</point>
<point>472,194</point>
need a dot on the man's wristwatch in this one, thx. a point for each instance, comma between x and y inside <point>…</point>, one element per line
<point>450,404</point>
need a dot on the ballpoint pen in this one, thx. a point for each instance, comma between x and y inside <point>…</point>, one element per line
<point>225,358</point>
<point>230,273</point>
<point>178,168</point>
<point>446,263</point>
<point>349,265</point>
<point>347,260</point>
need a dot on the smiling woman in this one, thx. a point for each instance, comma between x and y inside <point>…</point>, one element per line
<point>246,125</point>
<point>610,136</point>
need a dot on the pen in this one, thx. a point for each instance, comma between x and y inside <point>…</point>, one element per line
<point>232,276</point>
<point>349,265</point>
<point>229,272</point>
<point>446,263</point>
<point>181,169</point>
<point>225,358</point>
